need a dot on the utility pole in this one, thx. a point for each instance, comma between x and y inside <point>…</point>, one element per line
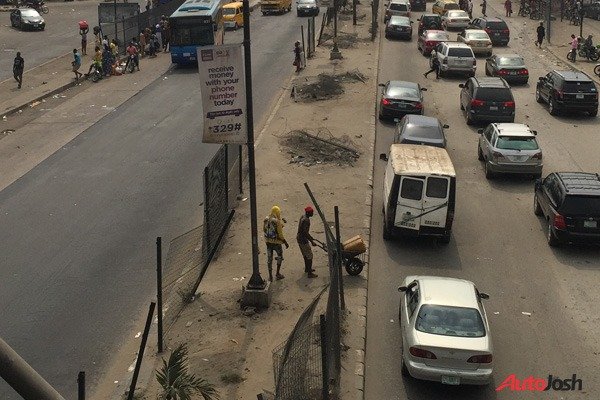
<point>335,51</point>
<point>548,19</point>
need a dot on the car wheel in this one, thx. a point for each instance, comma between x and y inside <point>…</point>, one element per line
<point>551,236</point>
<point>444,239</point>
<point>594,113</point>
<point>552,109</point>
<point>236,27</point>
<point>479,153</point>
<point>469,119</point>
<point>387,234</point>
<point>404,369</point>
<point>487,71</point>
<point>488,171</point>
<point>538,96</point>
<point>537,210</point>
<point>297,14</point>
<point>462,108</point>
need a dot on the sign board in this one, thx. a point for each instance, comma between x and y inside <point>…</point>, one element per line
<point>223,88</point>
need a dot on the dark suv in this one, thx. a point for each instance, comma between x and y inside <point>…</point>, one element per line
<point>496,29</point>
<point>430,22</point>
<point>487,99</point>
<point>570,204</point>
<point>567,91</point>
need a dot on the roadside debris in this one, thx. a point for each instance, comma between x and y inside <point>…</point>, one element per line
<point>322,148</point>
<point>324,86</point>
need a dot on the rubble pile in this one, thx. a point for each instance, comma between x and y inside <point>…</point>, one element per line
<point>324,86</point>
<point>308,149</point>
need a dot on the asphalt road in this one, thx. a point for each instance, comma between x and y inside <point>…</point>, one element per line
<point>78,231</point>
<point>60,36</point>
<point>497,242</point>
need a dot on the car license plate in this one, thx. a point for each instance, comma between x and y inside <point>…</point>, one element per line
<point>493,108</point>
<point>579,96</point>
<point>513,72</point>
<point>450,380</point>
<point>590,224</point>
<point>35,25</point>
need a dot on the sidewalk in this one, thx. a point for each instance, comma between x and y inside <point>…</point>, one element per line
<point>233,351</point>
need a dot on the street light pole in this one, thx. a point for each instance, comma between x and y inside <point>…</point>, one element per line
<point>256,282</point>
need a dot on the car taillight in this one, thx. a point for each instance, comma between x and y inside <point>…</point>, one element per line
<point>497,154</point>
<point>559,222</point>
<point>445,60</point>
<point>488,30</point>
<point>596,95</point>
<point>502,72</point>
<point>418,106</point>
<point>523,72</point>
<point>474,62</point>
<point>558,93</point>
<point>481,359</point>
<point>385,102</point>
<point>477,103</point>
<point>428,43</point>
<point>509,104</point>
<point>537,156</point>
<point>416,352</point>
<point>505,31</point>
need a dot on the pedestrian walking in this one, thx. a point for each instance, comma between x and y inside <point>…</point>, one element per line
<point>305,241</point>
<point>83,33</point>
<point>76,63</point>
<point>273,231</point>
<point>435,65</point>
<point>470,9</point>
<point>18,68</point>
<point>158,33</point>
<point>574,44</point>
<point>541,33</point>
<point>508,7</point>
<point>297,56</point>
<point>483,8</point>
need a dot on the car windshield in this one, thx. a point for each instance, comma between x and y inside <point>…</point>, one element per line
<point>400,91</point>
<point>437,36</point>
<point>577,205</point>
<point>451,6</point>
<point>575,86</point>
<point>477,35</point>
<point>460,52</point>
<point>517,143</point>
<point>398,7</point>
<point>398,20</point>
<point>450,321</point>
<point>229,11</point>
<point>497,25</point>
<point>494,94</point>
<point>424,132</point>
<point>511,61</point>
<point>30,13</point>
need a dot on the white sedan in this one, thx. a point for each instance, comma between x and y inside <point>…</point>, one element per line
<point>455,19</point>
<point>445,331</point>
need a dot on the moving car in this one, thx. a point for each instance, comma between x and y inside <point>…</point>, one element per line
<point>429,22</point>
<point>419,192</point>
<point>307,8</point>
<point>233,15</point>
<point>510,67</point>
<point>399,98</point>
<point>398,26</point>
<point>496,28</point>
<point>397,7</point>
<point>418,129</point>
<point>509,148</point>
<point>429,39</point>
<point>441,6</point>
<point>455,19</point>
<point>567,91</point>
<point>570,204</point>
<point>454,57</point>
<point>275,6</point>
<point>487,99</point>
<point>445,331</point>
<point>477,40</point>
<point>27,18</point>
<point>418,5</point>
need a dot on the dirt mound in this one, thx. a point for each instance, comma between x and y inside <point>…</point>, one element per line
<point>308,149</point>
<point>325,86</point>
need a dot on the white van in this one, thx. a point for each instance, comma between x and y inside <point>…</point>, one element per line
<point>419,192</point>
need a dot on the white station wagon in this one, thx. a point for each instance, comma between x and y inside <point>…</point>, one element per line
<point>445,331</point>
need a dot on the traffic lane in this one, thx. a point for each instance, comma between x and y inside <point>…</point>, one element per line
<point>473,251</point>
<point>81,226</point>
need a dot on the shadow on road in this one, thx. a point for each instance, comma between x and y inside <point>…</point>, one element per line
<point>424,390</point>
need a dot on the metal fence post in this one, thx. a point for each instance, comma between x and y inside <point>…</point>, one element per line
<point>303,44</point>
<point>140,356</point>
<point>339,256</point>
<point>325,372</point>
<point>81,385</point>
<point>159,293</point>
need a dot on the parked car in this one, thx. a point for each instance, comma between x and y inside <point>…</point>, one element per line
<point>418,129</point>
<point>399,27</point>
<point>307,8</point>
<point>397,7</point>
<point>567,91</point>
<point>428,40</point>
<point>509,149</point>
<point>496,28</point>
<point>429,22</point>
<point>441,6</point>
<point>399,98</point>
<point>510,67</point>
<point>233,15</point>
<point>570,204</point>
<point>487,99</point>
<point>454,57</point>
<point>477,40</point>
<point>455,19</point>
<point>445,331</point>
<point>418,5</point>
<point>27,18</point>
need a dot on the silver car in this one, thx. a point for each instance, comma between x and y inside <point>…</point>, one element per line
<point>445,331</point>
<point>455,19</point>
<point>454,57</point>
<point>509,148</point>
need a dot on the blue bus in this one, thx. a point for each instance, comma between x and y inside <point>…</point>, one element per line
<point>195,23</point>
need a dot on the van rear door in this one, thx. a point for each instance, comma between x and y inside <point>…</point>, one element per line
<point>435,201</point>
<point>410,203</point>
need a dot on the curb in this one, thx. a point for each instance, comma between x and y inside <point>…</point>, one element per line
<point>59,89</point>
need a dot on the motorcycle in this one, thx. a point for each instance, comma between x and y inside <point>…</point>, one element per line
<point>597,70</point>
<point>131,64</point>
<point>591,54</point>
<point>40,6</point>
<point>95,74</point>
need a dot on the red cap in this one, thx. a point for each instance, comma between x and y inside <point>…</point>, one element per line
<point>308,209</point>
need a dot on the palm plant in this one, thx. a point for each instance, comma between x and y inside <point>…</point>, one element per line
<point>178,383</point>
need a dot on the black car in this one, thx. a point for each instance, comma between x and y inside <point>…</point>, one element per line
<point>398,26</point>
<point>510,67</point>
<point>307,8</point>
<point>419,129</point>
<point>430,22</point>
<point>570,204</point>
<point>567,91</point>
<point>496,29</point>
<point>27,18</point>
<point>418,5</point>
<point>487,99</point>
<point>399,98</point>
